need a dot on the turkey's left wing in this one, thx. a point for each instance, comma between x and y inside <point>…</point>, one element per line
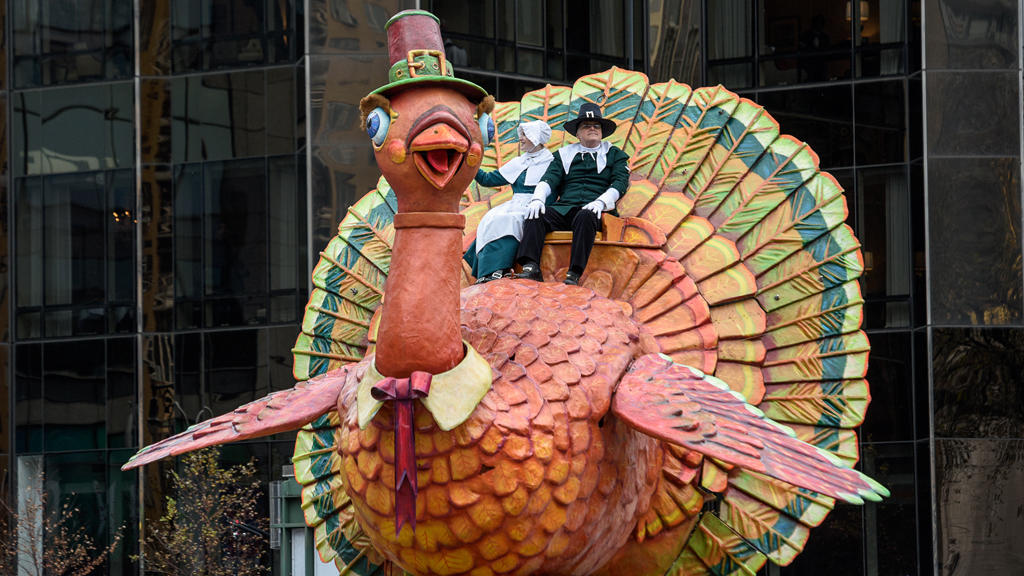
<point>684,406</point>
<point>280,411</point>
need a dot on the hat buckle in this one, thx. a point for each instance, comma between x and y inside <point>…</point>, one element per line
<point>415,65</point>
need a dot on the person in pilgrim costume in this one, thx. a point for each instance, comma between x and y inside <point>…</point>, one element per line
<point>493,253</point>
<point>588,178</point>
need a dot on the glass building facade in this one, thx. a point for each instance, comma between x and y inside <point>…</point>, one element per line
<point>171,168</point>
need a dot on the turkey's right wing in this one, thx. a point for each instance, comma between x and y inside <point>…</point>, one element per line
<point>280,411</point>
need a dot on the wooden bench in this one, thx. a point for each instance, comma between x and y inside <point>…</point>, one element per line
<point>615,231</point>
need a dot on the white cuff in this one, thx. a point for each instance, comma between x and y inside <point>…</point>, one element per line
<point>542,191</point>
<point>609,198</point>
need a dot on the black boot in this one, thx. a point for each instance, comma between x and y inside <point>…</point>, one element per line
<point>572,278</point>
<point>531,271</point>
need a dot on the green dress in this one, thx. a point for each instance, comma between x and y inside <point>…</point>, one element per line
<point>500,253</point>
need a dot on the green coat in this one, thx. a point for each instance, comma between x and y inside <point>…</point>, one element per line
<point>583,184</point>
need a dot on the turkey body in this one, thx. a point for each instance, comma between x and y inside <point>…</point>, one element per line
<point>541,479</point>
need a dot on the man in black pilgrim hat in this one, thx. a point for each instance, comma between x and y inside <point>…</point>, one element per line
<point>587,177</point>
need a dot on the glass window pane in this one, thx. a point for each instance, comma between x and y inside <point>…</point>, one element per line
<point>121,425</point>
<point>803,41</point>
<point>79,480</point>
<point>880,49</point>
<point>973,271</point>
<point>530,22</point>
<point>28,230</point>
<point>236,32</point>
<point>121,226</point>
<point>230,111</point>
<point>188,245</point>
<point>883,227</point>
<point>732,76</point>
<point>284,216</point>
<point>985,123</point>
<point>730,34</point>
<point>101,119</point>
<point>74,409</point>
<point>62,42</point>
<point>822,117</point>
<point>28,397</point>
<point>881,124</point>
<point>531,62</point>
<point>74,221</point>
<point>26,133</point>
<point>280,92</point>
<point>236,370</point>
<point>972,35</point>
<point>890,417</point>
<point>455,18</point>
<point>976,483</point>
<point>235,247</point>
<point>189,390</point>
<point>157,249</point>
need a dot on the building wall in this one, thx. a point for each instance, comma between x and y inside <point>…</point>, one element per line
<point>972,150</point>
<point>170,170</point>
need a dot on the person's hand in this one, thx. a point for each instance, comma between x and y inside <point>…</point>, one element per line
<point>534,209</point>
<point>597,206</point>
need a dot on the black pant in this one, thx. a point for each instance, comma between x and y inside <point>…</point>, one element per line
<point>583,223</point>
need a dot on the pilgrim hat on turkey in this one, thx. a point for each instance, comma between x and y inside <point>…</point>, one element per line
<point>416,53</point>
<point>590,112</point>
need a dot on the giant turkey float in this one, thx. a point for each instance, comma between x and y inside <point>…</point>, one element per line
<point>689,409</point>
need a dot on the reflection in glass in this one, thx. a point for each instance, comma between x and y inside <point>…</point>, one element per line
<point>974,245</point>
<point>890,416</point>
<point>972,35</point>
<point>883,227</point>
<point>978,379</point>
<point>80,481</point>
<point>804,41</point>
<point>190,403</point>
<point>235,368</point>
<point>100,117</point>
<point>820,116</point>
<point>157,254</point>
<point>238,248</point>
<point>28,397</point>
<point>730,37</point>
<point>121,418</point>
<point>123,491</point>
<point>284,238</point>
<point>74,395</point>
<point>834,547</point>
<point>213,34</point>
<point>880,48</point>
<point>75,260</point>
<point>159,367</point>
<point>986,123</point>
<point>222,116</point>
<point>979,485</point>
<point>188,245</point>
<point>890,528</point>
<point>881,122</point>
<point>65,42</point>
<point>235,242</point>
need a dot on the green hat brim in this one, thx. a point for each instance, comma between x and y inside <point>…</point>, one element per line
<point>467,88</point>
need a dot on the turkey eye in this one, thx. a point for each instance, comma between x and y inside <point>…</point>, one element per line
<point>377,124</point>
<point>486,128</point>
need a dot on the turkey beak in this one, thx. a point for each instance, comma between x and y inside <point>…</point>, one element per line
<point>438,150</point>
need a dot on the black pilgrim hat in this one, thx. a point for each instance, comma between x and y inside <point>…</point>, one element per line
<point>590,112</point>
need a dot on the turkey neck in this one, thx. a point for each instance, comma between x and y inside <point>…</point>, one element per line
<point>419,325</point>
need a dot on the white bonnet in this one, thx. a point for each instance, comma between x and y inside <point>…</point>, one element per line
<point>536,131</point>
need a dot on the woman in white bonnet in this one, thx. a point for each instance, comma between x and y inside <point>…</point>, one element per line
<point>493,253</point>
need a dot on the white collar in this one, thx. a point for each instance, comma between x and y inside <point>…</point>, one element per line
<point>535,163</point>
<point>569,152</point>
